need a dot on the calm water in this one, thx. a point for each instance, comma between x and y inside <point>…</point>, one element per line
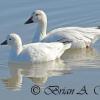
<point>77,69</point>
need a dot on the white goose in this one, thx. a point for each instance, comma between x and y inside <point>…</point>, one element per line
<point>34,52</point>
<point>80,37</point>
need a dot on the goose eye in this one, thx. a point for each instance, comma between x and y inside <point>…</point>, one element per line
<point>37,14</point>
<point>9,38</point>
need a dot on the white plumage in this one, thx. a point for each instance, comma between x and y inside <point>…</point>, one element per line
<point>34,52</point>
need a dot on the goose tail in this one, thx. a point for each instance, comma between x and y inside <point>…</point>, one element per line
<point>97,35</point>
<point>67,44</point>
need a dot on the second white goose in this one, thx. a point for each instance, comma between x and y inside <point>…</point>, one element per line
<point>80,37</point>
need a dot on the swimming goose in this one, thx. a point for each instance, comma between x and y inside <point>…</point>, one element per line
<point>80,37</point>
<point>34,52</point>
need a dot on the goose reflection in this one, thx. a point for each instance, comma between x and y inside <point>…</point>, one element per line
<point>37,73</point>
<point>87,57</point>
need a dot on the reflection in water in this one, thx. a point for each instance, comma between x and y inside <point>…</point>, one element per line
<point>37,73</point>
<point>87,57</point>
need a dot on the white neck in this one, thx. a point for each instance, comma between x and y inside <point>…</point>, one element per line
<point>40,32</point>
<point>15,50</point>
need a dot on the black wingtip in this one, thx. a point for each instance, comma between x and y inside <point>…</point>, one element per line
<point>65,42</point>
<point>98,27</point>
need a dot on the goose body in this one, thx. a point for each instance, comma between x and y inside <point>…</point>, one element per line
<point>80,37</point>
<point>34,52</point>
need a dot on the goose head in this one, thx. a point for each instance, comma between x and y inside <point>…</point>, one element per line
<point>13,40</point>
<point>37,16</point>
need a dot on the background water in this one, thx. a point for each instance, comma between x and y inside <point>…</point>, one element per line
<point>76,67</point>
